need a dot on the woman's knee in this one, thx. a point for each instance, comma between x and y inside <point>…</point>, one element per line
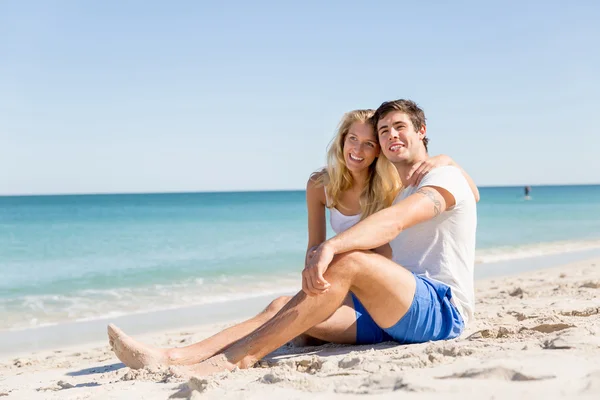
<point>277,304</point>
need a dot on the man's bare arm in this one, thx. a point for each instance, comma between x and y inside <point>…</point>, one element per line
<point>431,195</point>
<point>383,226</point>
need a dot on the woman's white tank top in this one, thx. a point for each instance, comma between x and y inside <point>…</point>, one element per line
<point>340,222</point>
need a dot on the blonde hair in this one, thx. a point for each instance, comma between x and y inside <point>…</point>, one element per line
<point>383,182</point>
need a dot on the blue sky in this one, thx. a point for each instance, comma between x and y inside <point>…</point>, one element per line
<point>139,96</point>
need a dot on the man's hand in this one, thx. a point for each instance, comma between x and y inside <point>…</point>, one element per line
<point>420,169</point>
<point>317,263</point>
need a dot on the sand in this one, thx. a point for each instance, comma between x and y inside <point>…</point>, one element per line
<point>536,335</point>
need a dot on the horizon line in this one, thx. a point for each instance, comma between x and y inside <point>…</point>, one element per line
<point>252,191</point>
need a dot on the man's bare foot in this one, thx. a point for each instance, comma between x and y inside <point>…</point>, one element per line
<point>134,354</point>
<point>218,363</point>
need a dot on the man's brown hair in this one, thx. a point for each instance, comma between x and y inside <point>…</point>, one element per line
<point>409,107</point>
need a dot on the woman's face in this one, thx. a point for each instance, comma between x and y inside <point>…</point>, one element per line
<point>360,147</point>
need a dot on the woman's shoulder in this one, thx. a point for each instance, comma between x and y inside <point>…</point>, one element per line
<point>319,177</point>
<point>316,184</point>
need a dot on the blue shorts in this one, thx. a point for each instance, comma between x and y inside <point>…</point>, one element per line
<point>431,316</point>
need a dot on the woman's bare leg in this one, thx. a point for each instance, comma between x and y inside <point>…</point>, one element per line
<point>339,328</point>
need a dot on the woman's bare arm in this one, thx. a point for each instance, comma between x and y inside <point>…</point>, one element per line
<point>317,225</point>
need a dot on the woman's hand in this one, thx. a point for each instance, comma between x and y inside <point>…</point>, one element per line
<point>313,282</point>
<point>420,169</point>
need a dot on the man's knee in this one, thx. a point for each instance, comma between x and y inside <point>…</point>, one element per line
<point>277,305</point>
<point>350,262</point>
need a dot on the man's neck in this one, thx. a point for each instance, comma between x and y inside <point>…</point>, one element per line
<point>404,167</point>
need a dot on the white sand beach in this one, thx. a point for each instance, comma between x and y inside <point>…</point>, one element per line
<point>537,335</point>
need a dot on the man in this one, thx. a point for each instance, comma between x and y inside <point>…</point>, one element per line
<point>424,293</point>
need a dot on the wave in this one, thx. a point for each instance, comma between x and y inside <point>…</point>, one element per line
<point>85,305</point>
<point>505,253</point>
<point>31,311</point>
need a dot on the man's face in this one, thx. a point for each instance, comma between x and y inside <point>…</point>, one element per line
<point>397,137</point>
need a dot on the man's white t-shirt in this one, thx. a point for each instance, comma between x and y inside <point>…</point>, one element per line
<point>443,248</point>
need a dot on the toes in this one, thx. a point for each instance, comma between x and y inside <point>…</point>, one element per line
<point>112,330</point>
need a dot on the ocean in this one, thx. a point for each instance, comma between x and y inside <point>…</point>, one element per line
<point>85,257</point>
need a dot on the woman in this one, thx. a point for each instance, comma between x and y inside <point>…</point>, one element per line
<point>355,184</point>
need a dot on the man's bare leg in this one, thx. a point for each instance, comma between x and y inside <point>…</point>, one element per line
<point>136,355</point>
<point>385,289</point>
<point>339,328</point>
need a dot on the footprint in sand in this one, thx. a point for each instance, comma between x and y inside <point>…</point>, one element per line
<point>499,373</point>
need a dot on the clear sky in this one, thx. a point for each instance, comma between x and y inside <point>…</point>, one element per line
<point>138,96</point>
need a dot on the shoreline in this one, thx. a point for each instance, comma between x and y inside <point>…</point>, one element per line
<point>76,333</point>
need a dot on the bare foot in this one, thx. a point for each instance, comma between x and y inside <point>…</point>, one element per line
<point>218,363</point>
<point>134,354</point>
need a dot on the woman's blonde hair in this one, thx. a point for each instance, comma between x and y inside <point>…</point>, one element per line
<point>383,182</point>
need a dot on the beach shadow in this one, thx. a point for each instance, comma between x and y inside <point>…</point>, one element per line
<point>62,385</point>
<point>184,391</point>
<point>89,384</point>
<point>326,350</point>
<point>97,370</point>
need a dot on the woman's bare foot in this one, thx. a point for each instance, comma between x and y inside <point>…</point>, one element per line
<point>134,354</point>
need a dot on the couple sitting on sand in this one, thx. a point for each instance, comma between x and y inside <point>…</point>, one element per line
<point>400,267</point>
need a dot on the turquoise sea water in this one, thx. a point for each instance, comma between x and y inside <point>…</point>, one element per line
<point>83,257</point>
